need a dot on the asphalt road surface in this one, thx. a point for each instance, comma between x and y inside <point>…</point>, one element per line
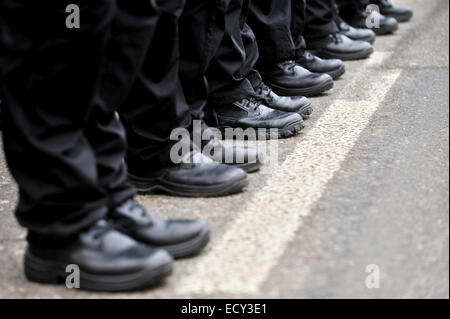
<point>365,187</point>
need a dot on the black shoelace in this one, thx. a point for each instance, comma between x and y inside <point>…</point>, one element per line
<point>264,92</point>
<point>250,103</point>
<point>133,210</point>
<point>336,37</point>
<point>290,65</point>
<point>308,56</point>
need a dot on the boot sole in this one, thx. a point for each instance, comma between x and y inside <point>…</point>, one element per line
<point>50,272</point>
<point>249,167</point>
<point>401,18</point>
<point>343,56</point>
<point>189,248</point>
<point>308,92</point>
<point>306,111</point>
<point>156,185</point>
<point>285,132</point>
<point>335,74</point>
<point>371,40</point>
<point>385,30</point>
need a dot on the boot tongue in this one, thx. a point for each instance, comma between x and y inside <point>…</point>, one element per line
<point>254,105</point>
<point>290,64</point>
<point>250,105</point>
<point>131,210</point>
<point>336,37</point>
<point>308,56</point>
<point>264,92</point>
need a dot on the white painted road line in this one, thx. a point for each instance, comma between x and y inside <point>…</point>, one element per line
<point>240,261</point>
<point>378,58</point>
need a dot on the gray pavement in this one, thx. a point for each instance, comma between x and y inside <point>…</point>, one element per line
<point>385,202</point>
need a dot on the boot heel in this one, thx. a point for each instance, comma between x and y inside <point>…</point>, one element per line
<point>143,187</point>
<point>41,271</point>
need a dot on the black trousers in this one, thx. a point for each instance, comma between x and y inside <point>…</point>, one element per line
<point>274,34</point>
<point>271,21</point>
<point>320,19</point>
<point>279,26</point>
<point>63,144</point>
<point>231,72</point>
<point>351,8</point>
<point>268,35</point>
<point>298,21</point>
<point>171,89</point>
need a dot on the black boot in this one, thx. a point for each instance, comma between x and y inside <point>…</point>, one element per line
<point>251,114</point>
<point>386,25</point>
<point>196,176</point>
<point>108,260</point>
<point>181,238</point>
<point>246,158</point>
<point>333,67</point>
<point>339,46</point>
<point>290,79</point>
<point>293,104</point>
<point>401,14</point>
<point>360,34</point>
